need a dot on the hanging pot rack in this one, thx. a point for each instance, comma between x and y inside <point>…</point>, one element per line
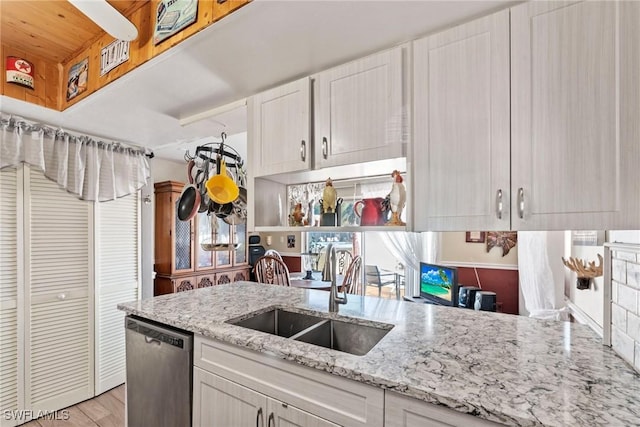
<point>212,151</point>
<point>208,158</point>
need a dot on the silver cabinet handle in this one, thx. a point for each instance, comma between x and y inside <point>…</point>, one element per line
<point>499,204</point>
<point>325,147</point>
<point>62,297</point>
<point>521,202</point>
<point>259,418</point>
<point>303,150</point>
<point>271,420</point>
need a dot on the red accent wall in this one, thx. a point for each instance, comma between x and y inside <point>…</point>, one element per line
<point>294,263</point>
<point>504,283</point>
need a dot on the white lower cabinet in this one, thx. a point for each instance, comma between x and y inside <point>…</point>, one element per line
<point>402,411</point>
<point>233,386</point>
<point>220,402</point>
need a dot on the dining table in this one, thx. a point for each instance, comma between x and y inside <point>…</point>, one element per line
<point>316,283</point>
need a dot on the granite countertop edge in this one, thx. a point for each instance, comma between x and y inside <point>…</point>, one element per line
<point>421,377</point>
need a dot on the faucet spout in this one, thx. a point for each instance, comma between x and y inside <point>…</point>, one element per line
<point>330,272</point>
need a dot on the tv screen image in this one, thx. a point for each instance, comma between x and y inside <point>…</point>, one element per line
<point>439,283</point>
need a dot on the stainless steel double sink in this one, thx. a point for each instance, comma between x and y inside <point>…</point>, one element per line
<point>342,335</point>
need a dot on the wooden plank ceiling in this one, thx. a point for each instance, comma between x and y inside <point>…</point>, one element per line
<point>53,30</point>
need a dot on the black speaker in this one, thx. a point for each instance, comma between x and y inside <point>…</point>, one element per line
<point>485,301</point>
<point>254,240</point>
<point>467,296</point>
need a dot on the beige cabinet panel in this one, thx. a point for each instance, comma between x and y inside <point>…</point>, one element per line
<point>575,104</point>
<point>359,111</point>
<point>280,129</point>
<point>461,144</point>
<point>402,411</point>
<point>283,415</point>
<point>218,402</point>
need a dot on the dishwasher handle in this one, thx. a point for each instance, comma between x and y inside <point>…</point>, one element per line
<point>157,334</point>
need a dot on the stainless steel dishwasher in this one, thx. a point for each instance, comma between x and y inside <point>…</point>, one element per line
<point>159,374</point>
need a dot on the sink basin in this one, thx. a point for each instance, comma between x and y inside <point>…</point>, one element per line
<point>349,337</point>
<point>279,322</point>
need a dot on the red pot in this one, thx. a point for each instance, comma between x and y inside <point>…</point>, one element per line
<point>371,212</point>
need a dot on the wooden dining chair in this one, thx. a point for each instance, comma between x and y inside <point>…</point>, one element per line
<point>344,258</point>
<point>374,278</point>
<point>352,277</point>
<point>273,253</point>
<point>271,270</point>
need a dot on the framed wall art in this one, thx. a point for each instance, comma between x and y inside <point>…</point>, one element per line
<point>172,16</point>
<point>502,239</point>
<point>475,236</point>
<point>77,79</point>
<point>19,71</point>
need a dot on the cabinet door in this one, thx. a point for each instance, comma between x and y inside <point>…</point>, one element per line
<point>280,124</point>
<point>461,145</point>
<point>206,281</point>
<point>117,278</point>
<point>224,235</point>
<point>205,234</point>
<point>402,411</point>
<point>575,97</point>
<point>240,237</point>
<point>183,234</point>
<point>283,415</point>
<point>183,284</point>
<point>360,111</point>
<point>11,329</point>
<point>241,275</point>
<point>224,277</point>
<point>219,402</point>
<point>59,319</point>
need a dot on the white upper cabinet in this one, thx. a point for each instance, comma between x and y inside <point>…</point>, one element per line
<point>461,141</point>
<point>359,111</point>
<point>280,126</point>
<point>575,104</point>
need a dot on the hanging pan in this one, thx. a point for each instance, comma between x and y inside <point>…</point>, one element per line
<point>188,202</point>
<point>238,214</point>
<point>202,177</point>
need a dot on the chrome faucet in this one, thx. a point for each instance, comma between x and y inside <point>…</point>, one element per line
<point>329,273</point>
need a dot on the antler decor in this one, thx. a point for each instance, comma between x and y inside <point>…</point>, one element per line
<point>585,272</point>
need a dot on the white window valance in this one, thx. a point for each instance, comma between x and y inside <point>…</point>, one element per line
<point>93,170</point>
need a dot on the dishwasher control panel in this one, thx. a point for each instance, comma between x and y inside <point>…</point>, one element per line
<point>151,332</point>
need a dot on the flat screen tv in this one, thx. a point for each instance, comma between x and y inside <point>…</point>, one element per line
<point>439,284</point>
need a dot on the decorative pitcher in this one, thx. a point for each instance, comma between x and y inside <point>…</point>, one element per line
<point>371,212</point>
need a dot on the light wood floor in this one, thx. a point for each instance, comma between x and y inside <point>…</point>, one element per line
<point>387,292</point>
<point>106,410</point>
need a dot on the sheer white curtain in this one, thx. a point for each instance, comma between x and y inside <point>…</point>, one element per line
<point>92,170</point>
<point>411,248</point>
<point>536,277</point>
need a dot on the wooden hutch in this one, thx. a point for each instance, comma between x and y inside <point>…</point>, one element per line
<point>180,262</point>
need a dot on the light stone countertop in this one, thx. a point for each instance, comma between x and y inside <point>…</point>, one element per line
<point>509,369</point>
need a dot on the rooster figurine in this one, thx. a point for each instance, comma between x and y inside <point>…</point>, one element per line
<point>329,197</point>
<point>397,199</point>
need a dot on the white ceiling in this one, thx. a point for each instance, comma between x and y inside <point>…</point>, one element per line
<point>262,45</point>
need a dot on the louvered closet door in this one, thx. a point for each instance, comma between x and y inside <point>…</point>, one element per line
<point>10,354</point>
<point>117,280</point>
<point>59,301</point>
